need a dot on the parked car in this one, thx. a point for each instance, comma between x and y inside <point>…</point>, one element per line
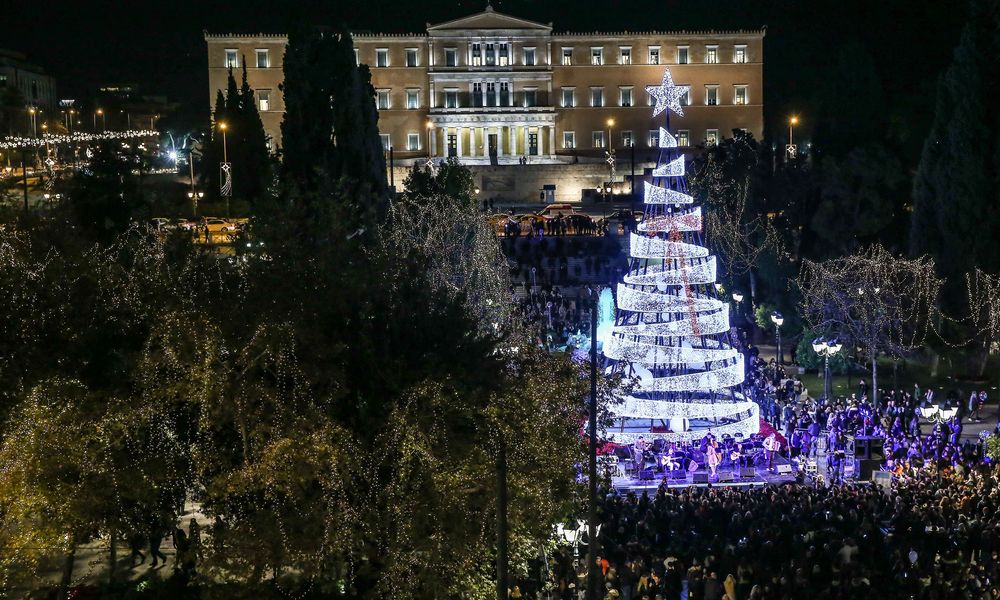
<point>184,224</point>
<point>160,223</point>
<point>216,225</point>
<point>554,210</point>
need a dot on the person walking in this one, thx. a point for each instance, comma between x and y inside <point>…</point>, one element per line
<point>135,542</point>
<point>156,534</point>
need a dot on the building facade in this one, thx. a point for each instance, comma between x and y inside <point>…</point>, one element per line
<point>29,86</point>
<point>495,88</point>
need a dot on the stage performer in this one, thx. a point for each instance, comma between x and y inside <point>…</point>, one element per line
<point>712,454</point>
<point>771,445</point>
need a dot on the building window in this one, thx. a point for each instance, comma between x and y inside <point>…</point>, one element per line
<point>627,139</point>
<point>505,99</point>
<point>711,136</point>
<point>625,96</point>
<point>568,97</point>
<point>567,57</point>
<point>597,56</point>
<point>625,55</point>
<point>597,97</point>
<point>529,57</point>
<point>411,57</point>
<point>383,99</point>
<point>450,57</point>
<point>232,59</point>
<point>686,98</point>
<point>412,99</point>
<point>569,140</point>
<point>741,95</point>
<point>263,100</point>
<point>654,138</point>
<point>740,54</point>
<point>683,55</point>
<point>491,55</point>
<point>530,97</point>
<point>504,55</point>
<point>451,98</point>
<point>477,55</point>
<point>712,95</point>
<point>654,55</point>
<point>386,141</point>
<point>712,55</point>
<point>263,59</point>
<point>382,57</point>
<point>683,137</point>
<point>597,139</point>
<point>477,94</point>
<point>413,141</point>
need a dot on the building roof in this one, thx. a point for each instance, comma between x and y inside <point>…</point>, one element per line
<point>489,19</point>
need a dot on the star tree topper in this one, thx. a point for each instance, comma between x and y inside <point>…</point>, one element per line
<point>667,95</point>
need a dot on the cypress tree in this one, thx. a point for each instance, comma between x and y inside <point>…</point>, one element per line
<point>956,192</point>
<point>252,173</point>
<point>330,127</point>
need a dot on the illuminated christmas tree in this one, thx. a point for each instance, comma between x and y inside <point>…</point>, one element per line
<point>671,331</point>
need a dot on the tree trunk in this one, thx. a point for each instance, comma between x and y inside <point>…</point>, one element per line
<point>67,574</point>
<point>874,381</point>
<point>113,558</point>
<point>501,521</point>
<point>986,357</point>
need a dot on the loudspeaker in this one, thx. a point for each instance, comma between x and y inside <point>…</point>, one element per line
<point>877,449</point>
<point>861,448</point>
<point>646,475</point>
<point>726,477</point>
<point>701,478</point>
<point>678,474</point>
<point>748,472</point>
<point>865,468</point>
<point>784,469</point>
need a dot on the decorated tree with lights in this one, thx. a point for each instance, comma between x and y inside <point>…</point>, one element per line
<point>883,303</point>
<point>672,333</point>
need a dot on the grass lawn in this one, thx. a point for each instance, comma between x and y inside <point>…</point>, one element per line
<point>908,374</point>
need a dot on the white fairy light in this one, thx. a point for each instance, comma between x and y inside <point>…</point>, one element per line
<point>654,354</point>
<point>667,140</point>
<point>689,221</point>
<point>671,331</point>
<point>667,95</point>
<point>674,168</point>
<point>637,300</point>
<point>655,194</point>
<point>701,272</point>
<point>641,246</point>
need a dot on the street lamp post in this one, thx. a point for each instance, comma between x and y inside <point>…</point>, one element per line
<point>225,152</point>
<point>790,149</point>
<point>104,124</point>
<point>611,152</point>
<point>738,299</point>
<point>826,349</point>
<point>226,169</point>
<point>195,197</point>
<point>777,318</point>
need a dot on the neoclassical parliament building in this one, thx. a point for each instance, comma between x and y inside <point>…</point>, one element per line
<point>495,88</point>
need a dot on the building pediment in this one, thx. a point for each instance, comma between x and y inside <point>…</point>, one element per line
<point>489,19</point>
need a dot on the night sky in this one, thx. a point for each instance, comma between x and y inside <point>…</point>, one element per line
<point>159,44</point>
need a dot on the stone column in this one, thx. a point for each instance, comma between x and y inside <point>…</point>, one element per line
<point>513,139</point>
<point>552,140</point>
<point>432,151</point>
<point>458,136</point>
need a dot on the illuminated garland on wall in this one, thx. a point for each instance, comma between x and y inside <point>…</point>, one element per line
<point>671,332</point>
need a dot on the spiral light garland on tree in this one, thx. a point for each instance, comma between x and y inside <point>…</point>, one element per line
<point>671,331</point>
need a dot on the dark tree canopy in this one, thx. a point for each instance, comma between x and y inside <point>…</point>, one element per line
<point>956,192</point>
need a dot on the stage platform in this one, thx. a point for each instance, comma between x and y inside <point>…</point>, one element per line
<point>784,472</point>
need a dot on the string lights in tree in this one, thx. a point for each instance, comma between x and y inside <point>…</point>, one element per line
<point>672,333</point>
<point>55,139</point>
<point>883,303</point>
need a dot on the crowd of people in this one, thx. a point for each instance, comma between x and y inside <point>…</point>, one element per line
<point>934,535</point>
<point>561,317</point>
